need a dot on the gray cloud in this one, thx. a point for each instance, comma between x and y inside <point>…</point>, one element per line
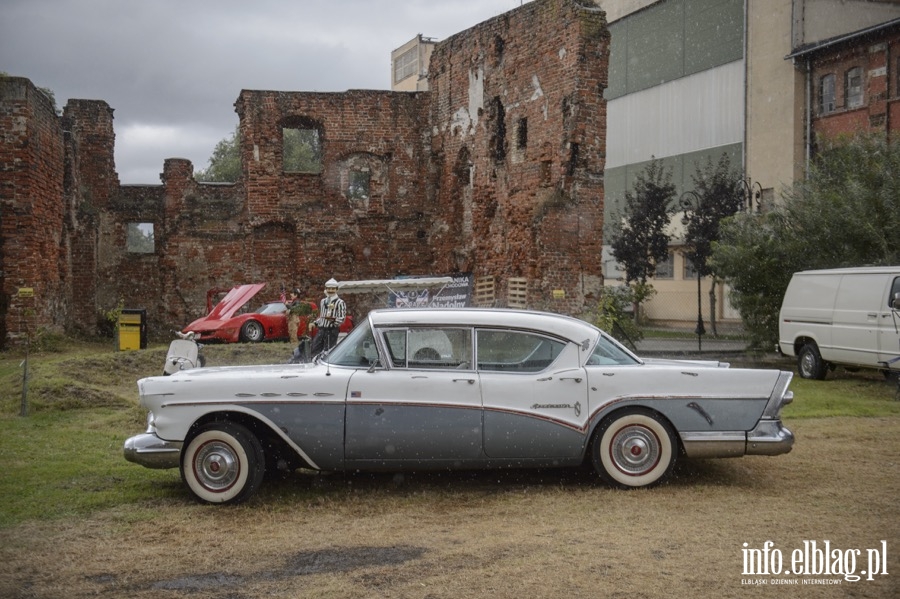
<point>172,69</point>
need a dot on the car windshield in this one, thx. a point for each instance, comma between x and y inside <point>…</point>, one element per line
<point>608,352</point>
<point>357,349</point>
<point>271,308</point>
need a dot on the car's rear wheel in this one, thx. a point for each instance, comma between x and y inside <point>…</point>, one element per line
<point>810,364</point>
<point>252,331</point>
<point>223,463</point>
<point>634,448</point>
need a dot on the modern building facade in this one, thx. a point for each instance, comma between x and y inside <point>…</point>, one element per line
<point>691,80</point>
<point>409,65</point>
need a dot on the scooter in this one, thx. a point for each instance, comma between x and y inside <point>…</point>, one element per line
<point>184,354</point>
<point>301,354</point>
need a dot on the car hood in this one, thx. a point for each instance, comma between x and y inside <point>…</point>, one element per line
<point>231,303</point>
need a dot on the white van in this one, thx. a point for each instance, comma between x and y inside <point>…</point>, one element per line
<point>841,316</point>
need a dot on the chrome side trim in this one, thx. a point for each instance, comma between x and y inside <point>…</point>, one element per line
<point>714,444</point>
<point>150,451</point>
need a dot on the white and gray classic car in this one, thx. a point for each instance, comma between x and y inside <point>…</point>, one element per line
<point>458,389</point>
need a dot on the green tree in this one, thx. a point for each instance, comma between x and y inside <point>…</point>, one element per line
<point>638,238</point>
<point>302,150</point>
<point>641,242</point>
<point>612,314</point>
<point>846,213</point>
<point>718,195</point>
<point>225,162</point>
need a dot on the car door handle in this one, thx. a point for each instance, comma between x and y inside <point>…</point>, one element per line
<point>577,379</point>
<point>470,381</point>
<point>546,378</point>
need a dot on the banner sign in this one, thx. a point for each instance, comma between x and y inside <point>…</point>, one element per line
<point>456,294</point>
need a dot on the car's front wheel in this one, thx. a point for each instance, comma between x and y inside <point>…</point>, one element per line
<point>223,463</point>
<point>252,331</point>
<point>634,448</point>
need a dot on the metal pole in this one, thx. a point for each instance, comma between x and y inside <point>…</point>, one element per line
<point>24,409</point>
<point>700,329</point>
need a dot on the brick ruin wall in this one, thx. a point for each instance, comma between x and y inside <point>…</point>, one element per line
<point>497,172</point>
<point>518,150</point>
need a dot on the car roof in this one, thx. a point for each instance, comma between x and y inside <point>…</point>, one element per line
<point>567,327</point>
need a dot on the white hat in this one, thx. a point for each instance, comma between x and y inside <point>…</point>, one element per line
<point>331,283</point>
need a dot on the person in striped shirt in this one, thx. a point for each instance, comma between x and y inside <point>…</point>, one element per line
<point>332,312</point>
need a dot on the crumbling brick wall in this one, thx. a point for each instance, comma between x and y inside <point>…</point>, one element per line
<point>497,171</point>
<point>518,120</point>
<point>33,236</point>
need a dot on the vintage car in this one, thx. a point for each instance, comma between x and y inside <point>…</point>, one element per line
<point>458,389</point>
<point>224,324</point>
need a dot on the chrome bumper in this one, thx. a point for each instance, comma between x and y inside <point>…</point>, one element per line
<point>770,437</point>
<point>150,451</point>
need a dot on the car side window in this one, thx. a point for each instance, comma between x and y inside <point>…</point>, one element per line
<point>516,351</point>
<point>356,350</point>
<point>429,347</point>
<point>607,353</point>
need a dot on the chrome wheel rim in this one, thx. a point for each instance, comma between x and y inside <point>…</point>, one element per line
<point>216,466</point>
<point>806,364</point>
<point>635,450</point>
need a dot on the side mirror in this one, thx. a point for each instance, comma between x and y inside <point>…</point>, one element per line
<point>895,303</point>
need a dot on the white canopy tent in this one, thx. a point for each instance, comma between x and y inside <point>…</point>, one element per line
<point>393,285</point>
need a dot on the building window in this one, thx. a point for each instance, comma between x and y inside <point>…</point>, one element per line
<point>498,139</point>
<point>666,269</point>
<point>406,64</point>
<point>358,188</point>
<point>689,271</point>
<point>522,134</point>
<point>139,238</point>
<point>302,150</point>
<point>826,94</point>
<point>853,87</point>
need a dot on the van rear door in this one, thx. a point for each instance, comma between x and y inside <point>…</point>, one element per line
<point>888,326</point>
<point>857,316</point>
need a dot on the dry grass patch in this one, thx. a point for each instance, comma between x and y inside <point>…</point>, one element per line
<point>487,534</point>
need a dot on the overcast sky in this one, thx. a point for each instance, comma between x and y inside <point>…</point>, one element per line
<point>172,69</point>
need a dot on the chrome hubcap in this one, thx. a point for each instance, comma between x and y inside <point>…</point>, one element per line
<point>216,466</point>
<point>635,450</point>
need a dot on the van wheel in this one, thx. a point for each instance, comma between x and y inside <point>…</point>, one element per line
<point>810,364</point>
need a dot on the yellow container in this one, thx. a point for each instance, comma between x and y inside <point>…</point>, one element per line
<point>132,330</point>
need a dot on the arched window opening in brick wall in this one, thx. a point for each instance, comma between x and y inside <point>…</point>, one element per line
<point>301,139</point>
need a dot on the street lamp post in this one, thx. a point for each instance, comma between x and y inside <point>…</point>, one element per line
<point>691,203</point>
<point>752,191</point>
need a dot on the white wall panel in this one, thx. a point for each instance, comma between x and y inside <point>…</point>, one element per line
<point>693,113</point>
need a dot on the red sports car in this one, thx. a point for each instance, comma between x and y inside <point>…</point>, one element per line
<point>268,322</point>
